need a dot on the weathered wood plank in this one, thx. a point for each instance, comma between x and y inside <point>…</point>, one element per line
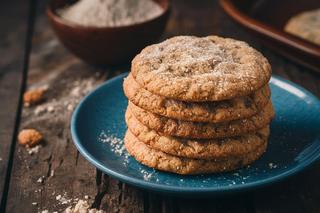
<point>57,170</point>
<point>12,48</point>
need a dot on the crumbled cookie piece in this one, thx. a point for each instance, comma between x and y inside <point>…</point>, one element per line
<point>33,96</point>
<point>29,137</point>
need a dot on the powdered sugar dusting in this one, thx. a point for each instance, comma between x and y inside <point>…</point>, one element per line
<point>272,165</point>
<point>147,176</point>
<point>191,56</point>
<point>116,144</point>
<point>201,69</point>
<point>185,56</point>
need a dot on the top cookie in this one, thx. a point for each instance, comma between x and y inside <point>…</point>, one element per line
<point>201,69</point>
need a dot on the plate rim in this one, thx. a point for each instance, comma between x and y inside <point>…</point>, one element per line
<point>178,189</point>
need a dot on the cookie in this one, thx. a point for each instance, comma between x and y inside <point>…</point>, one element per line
<point>237,108</point>
<point>202,130</point>
<point>165,162</point>
<point>305,25</point>
<point>195,69</point>
<point>198,149</point>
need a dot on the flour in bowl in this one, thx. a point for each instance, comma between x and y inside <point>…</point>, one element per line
<point>111,13</point>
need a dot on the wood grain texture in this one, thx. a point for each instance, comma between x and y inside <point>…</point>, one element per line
<point>68,174</point>
<point>12,44</point>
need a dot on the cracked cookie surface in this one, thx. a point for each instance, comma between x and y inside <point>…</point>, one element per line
<point>237,108</point>
<point>195,69</point>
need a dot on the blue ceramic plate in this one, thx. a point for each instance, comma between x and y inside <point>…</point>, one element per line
<point>98,128</point>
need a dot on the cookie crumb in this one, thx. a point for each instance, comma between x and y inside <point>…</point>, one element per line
<point>40,109</point>
<point>82,206</point>
<point>33,96</point>
<point>63,199</point>
<point>29,137</point>
<point>147,176</point>
<point>50,109</point>
<point>69,107</point>
<point>76,91</point>
<point>40,179</point>
<point>272,166</point>
<point>117,145</point>
<point>33,150</point>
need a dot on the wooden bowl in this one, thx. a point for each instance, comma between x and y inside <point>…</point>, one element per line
<point>266,20</point>
<point>106,45</point>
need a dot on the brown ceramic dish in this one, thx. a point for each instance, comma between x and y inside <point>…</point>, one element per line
<point>106,45</point>
<point>267,18</point>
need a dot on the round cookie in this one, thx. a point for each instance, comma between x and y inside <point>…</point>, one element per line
<point>195,69</point>
<point>165,162</point>
<point>305,25</point>
<point>198,149</point>
<point>189,129</point>
<point>237,108</point>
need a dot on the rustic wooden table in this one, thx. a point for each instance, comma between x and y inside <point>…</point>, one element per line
<point>32,56</point>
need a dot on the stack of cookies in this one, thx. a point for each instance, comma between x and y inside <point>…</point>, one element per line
<point>198,105</point>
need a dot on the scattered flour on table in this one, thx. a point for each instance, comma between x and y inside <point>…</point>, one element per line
<point>33,150</point>
<point>51,172</point>
<point>63,199</point>
<point>82,206</point>
<point>41,179</point>
<point>75,205</point>
<point>110,13</point>
<point>57,107</point>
